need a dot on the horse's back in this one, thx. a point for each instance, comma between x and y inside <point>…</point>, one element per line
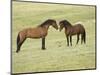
<point>22,33</point>
<point>37,32</point>
<point>76,29</point>
<point>80,27</point>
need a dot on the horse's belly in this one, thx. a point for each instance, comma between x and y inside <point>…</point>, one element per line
<point>74,33</point>
<point>36,34</point>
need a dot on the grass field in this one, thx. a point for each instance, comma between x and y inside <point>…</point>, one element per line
<point>57,55</point>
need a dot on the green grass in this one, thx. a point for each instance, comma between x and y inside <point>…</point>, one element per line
<point>57,55</point>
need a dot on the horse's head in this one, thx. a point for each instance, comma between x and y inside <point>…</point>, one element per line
<point>63,23</point>
<point>50,22</point>
<point>53,23</point>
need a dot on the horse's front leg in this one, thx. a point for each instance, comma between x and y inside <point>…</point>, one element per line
<point>71,40</point>
<point>67,40</point>
<point>43,43</point>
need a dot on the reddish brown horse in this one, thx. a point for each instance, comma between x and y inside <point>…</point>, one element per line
<point>40,31</point>
<point>70,30</point>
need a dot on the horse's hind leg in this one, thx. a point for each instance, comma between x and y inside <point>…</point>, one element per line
<point>18,48</point>
<point>19,45</point>
<point>43,43</point>
<point>19,42</point>
<point>71,40</point>
<point>77,39</point>
<point>82,38</point>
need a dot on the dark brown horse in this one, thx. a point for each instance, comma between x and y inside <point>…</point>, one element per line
<point>40,31</point>
<point>70,30</point>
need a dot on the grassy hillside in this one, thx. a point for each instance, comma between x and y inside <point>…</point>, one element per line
<point>57,55</point>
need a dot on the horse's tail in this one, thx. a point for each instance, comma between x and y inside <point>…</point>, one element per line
<point>84,36</point>
<point>18,40</point>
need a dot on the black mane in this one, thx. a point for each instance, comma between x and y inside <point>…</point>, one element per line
<point>66,23</point>
<point>49,21</point>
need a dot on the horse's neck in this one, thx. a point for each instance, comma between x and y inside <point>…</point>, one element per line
<point>68,27</point>
<point>46,27</point>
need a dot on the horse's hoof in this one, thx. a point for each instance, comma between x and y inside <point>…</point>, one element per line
<point>43,48</point>
<point>17,51</point>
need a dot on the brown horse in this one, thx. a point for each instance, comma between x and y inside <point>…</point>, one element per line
<point>70,30</point>
<point>40,31</point>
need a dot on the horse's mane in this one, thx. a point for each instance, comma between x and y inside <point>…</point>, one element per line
<point>66,23</point>
<point>46,22</point>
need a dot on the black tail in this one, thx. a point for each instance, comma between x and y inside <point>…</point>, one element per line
<point>84,37</point>
<point>18,40</point>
